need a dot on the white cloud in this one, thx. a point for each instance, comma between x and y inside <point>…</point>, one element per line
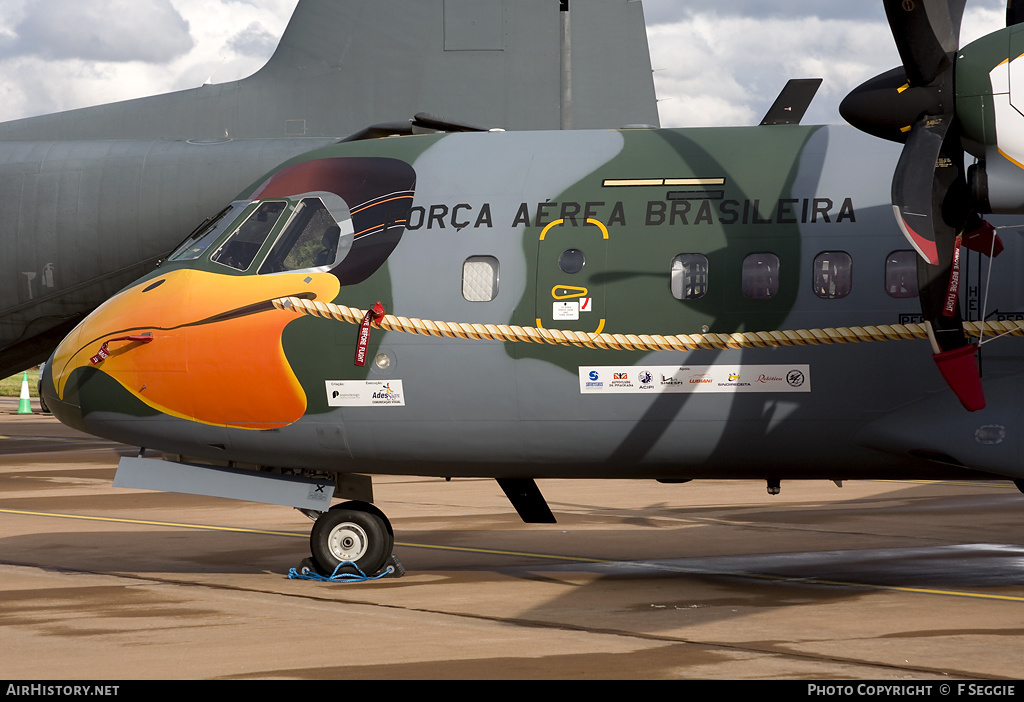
<point>979,21</point>
<point>113,30</point>
<point>254,40</point>
<point>49,66</point>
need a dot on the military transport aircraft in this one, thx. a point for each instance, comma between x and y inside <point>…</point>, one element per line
<point>662,304</point>
<point>91,199</point>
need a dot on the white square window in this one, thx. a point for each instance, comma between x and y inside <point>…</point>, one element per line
<point>480,278</point>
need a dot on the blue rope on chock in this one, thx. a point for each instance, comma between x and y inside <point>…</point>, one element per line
<point>358,577</point>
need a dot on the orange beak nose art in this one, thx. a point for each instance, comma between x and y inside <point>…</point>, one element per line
<point>199,346</point>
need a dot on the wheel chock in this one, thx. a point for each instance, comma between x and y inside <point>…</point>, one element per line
<point>399,569</point>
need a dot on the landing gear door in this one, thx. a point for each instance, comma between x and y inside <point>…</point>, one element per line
<point>571,265</point>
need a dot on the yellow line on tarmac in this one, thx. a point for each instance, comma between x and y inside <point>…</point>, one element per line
<point>149,523</point>
<point>60,439</point>
<point>868,586</point>
<point>924,591</point>
<point>552,557</point>
<point>1004,483</point>
<point>495,552</point>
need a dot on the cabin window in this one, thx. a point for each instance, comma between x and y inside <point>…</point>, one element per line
<point>760,276</point>
<point>208,232</point>
<point>241,247</point>
<point>833,275</point>
<point>689,276</point>
<point>901,274</point>
<point>310,240</point>
<point>480,278</point>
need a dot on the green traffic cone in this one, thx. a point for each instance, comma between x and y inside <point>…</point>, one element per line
<point>25,404</point>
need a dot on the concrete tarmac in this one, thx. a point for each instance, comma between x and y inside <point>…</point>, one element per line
<point>880,581</point>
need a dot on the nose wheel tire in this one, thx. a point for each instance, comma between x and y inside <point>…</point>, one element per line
<point>350,535</point>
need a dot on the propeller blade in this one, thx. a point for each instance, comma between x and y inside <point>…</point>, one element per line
<point>916,187</point>
<point>934,291</point>
<point>959,368</point>
<point>927,34</point>
<point>932,206</point>
<point>1014,12</point>
<point>939,282</point>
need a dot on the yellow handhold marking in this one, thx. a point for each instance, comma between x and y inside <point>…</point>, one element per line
<point>560,222</point>
<point>571,290</point>
<point>599,225</point>
<point>556,223</point>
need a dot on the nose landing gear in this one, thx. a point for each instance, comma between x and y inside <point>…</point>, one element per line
<point>351,533</point>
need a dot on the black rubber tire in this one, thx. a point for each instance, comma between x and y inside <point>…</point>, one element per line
<point>350,535</point>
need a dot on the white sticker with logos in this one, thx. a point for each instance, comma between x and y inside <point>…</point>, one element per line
<point>365,393</point>
<point>597,380</point>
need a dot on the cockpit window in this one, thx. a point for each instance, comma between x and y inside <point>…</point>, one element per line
<point>312,239</point>
<point>208,232</point>
<point>241,247</point>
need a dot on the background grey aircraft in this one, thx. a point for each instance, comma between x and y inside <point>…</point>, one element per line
<point>91,199</point>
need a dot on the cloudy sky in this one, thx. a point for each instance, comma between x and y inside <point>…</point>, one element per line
<point>717,62</point>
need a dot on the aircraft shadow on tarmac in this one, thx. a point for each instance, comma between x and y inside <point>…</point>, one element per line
<point>790,555</point>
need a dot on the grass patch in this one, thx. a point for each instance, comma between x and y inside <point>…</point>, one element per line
<point>11,387</point>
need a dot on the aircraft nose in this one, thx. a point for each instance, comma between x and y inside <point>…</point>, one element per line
<point>95,367</point>
<point>63,409</point>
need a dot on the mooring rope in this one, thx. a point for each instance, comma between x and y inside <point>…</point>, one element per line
<point>637,342</point>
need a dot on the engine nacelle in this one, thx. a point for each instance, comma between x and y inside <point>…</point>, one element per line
<point>997,184</point>
<point>990,110</point>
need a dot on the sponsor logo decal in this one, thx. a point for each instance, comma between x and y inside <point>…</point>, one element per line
<point>594,380</point>
<point>696,379</point>
<point>365,393</point>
